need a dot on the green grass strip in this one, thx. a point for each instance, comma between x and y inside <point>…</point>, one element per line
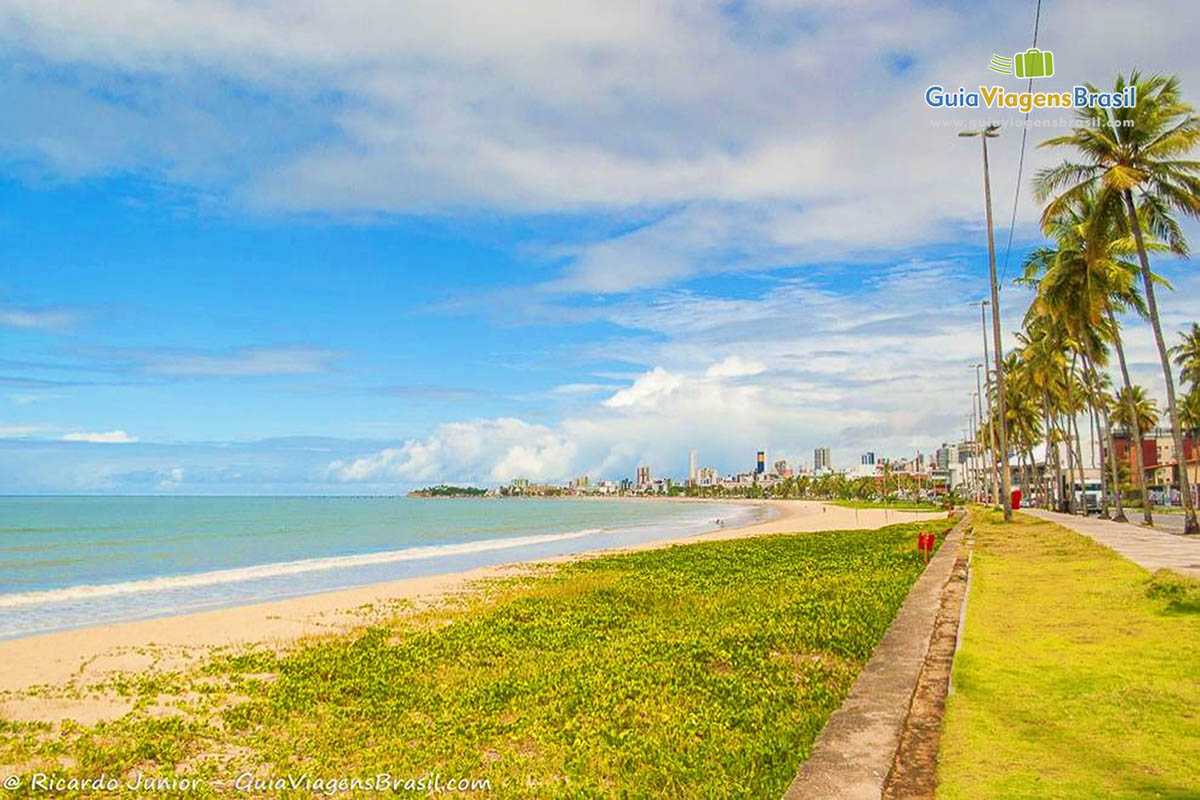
<point>1078,676</point>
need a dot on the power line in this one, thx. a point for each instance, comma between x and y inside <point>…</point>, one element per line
<point>1037,18</point>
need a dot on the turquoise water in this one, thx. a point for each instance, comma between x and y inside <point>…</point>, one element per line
<point>70,562</point>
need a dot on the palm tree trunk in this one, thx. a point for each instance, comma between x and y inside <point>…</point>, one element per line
<point>1135,431</point>
<point>1104,482</point>
<point>1064,429</point>
<point>1076,454</point>
<point>1112,467</point>
<point>1095,433</point>
<point>1079,463</point>
<point>1049,438</point>
<point>1094,429</point>
<point>1189,512</point>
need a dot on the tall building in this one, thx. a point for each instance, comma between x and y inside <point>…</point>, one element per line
<point>868,458</point>
<point>781,468</point>
<point>760,463</point>
<point>822,459</point>
<point>692,467</point>
<point>946,455</point>
<point>643,476</point>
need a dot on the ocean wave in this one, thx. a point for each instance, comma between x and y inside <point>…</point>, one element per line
<point>274,570</point>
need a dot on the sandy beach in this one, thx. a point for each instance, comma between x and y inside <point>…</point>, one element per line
<point>82,657</point>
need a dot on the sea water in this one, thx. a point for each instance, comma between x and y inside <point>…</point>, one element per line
<point>69,562</point>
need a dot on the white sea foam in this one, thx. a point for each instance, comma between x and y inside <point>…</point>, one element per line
<point>239,574</point>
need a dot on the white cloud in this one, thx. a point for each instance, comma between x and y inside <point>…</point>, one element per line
<point>107,437</point>
<point>171,479</point>
<point>735,367</point>
<point>723,136</point>
<point>800,366</point>
<point>496,449</point>
<point>648,391</point>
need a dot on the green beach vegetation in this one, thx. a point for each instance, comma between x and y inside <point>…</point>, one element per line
<point>702,670</point>
<point>1076,677</point>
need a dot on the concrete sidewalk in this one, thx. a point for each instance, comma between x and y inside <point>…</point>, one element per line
<point>853,756</point>
<point>1152,549</point>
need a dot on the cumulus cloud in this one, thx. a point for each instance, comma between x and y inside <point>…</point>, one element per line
<point>725,137</point>
<point>496,449</point>
<point>735,367</point>
<point>648,391</point>
<point>106,437</point>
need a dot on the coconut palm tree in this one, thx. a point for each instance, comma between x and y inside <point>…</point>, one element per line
<point>1189,415</point>
<point>1142,164</point>
<point>1144,406</point>
<point>1045,365</point>
<point>1079,280</point>
<point>1187,356</point>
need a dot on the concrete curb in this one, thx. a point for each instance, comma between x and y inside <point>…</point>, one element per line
<point>854,754</point>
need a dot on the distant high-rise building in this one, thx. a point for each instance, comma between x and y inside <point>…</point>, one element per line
<point>692,467</point>
<point>822,459</point>
<point>781,468</point>
<point>760,464</point>
<point>643,476</point>
<point>868,458</point>
<point>946,455</point>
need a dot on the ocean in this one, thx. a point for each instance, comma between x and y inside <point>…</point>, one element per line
<point>70,562</point>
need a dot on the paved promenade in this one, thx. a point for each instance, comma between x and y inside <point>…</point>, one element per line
<point>1152,549</point>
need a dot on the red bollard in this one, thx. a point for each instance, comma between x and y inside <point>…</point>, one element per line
<point>925,542</point>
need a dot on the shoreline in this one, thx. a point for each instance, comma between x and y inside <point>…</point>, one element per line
<point>88,655</point>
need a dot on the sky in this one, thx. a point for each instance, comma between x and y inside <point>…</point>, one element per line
<point>354,248</point>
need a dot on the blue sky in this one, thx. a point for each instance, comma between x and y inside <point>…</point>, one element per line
<point>294,247</point>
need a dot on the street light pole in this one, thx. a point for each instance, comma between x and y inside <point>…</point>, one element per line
<point>979,416</point>
<point>975,483</point>
<point>990,132</point>
<point>987,379</point>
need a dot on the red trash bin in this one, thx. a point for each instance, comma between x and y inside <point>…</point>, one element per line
<point>1016,499</point>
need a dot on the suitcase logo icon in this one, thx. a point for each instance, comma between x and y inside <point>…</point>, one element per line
<point>1033,63</point>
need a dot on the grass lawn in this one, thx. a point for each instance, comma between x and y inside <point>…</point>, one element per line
<point>895,505</point>
<point>703,670</point>
<point>1078,676</point>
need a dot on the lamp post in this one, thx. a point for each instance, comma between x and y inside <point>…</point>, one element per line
<point>974,430</point>
<point>990,132</point>
<point>987,380</point>
<point>979,416</point>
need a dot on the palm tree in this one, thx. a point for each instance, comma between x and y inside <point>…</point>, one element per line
<point>1078,282</point>
<point>1187,356</point>
<point>1101,398</point>
<point>1045,367</point>
<point>1145,416</point>
<point>1189,416</point>
<point>1144,406</point>
<point>1147,158</point>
